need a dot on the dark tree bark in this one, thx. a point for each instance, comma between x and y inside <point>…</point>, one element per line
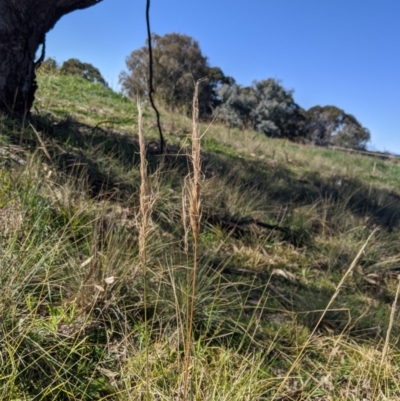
<point>23,28</point>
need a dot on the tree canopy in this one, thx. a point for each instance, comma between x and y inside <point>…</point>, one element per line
<point>87,71</point>
<point>265,106</point>
<point>49,65</point>
<point>330,125</point>
<point>178,64</point>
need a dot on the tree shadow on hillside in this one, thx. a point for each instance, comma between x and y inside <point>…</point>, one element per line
<point>280,186</point>
<point>84,152</point>
<point>76,149</point>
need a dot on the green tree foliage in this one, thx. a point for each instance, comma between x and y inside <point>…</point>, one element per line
<point>236,106</point>
<point>74,66</point>
<point>329,125</point>
<point>48,66</point>
<point>265,106</point>
<point>178,64</point>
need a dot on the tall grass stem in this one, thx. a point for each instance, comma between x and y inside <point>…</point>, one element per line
<point>145,212</point>
<point>392,313</point>
<point>194,217</point>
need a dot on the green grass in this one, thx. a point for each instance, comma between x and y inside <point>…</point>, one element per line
<point>281,224</point>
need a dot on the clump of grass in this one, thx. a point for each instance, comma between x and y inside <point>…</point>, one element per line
<point>334,296</point>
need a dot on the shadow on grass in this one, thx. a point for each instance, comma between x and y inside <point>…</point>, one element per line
<point>93,152</point>
<point>280,186</point>
<point>83,151</point>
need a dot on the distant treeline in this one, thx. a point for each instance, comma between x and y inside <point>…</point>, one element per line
<point>265,106</point>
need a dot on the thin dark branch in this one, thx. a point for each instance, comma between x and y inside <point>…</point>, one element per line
<point>151,88</point>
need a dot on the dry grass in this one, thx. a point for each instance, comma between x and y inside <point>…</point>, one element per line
<point>292,298</point>
<point>194,217</point>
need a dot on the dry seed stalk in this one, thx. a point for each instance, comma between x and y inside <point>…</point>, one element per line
<point>185,224</point>
<point>145,204</point>
<point>194,208</point>
<point>194,216</point>
<point>145,211</point>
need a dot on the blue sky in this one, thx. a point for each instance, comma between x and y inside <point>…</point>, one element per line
<point>344,52</point>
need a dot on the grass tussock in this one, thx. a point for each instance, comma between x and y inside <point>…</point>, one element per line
<point>242,269</point>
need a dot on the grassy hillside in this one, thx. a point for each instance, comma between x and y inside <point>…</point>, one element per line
<point>297,261</point>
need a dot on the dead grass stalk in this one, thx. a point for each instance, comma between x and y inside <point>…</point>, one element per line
<point>194,217</point>
<point>145,213</point>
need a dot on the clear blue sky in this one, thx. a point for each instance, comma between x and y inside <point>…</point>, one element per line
<point>344,52</point>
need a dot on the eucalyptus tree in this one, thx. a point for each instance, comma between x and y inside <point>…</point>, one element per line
<point>332,126</point>
<point>73,66</point>
<point>178,63</point>
<point>23,28</point>
<point>265,106</point>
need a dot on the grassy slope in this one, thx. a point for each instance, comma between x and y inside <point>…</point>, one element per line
<point>281,224</point>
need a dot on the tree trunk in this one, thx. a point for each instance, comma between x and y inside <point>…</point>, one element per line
<point>23,27</point>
